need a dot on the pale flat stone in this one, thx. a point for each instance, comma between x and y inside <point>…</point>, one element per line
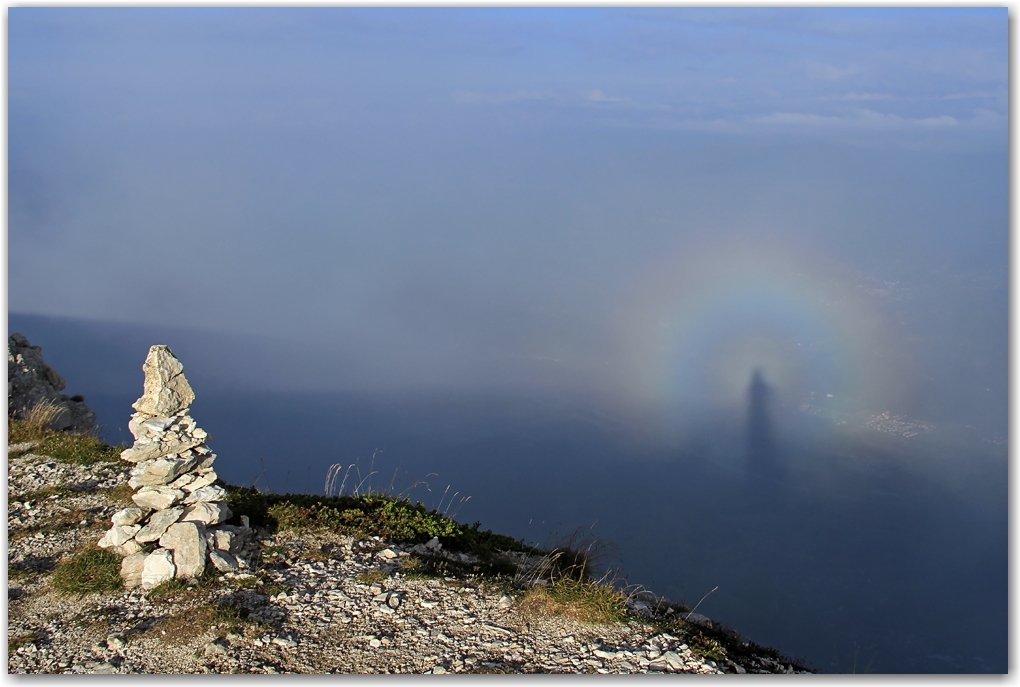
<point>128,516</point>
<point>164,470</point>
<point>131,569</point>
<point>207,513</point>
<point>142,450</point>
<point>166,390</point>
<point>117,535</point>
<point>673,659</point>
<point>207,493</point>
<point>202,481</point>
<point>183,481</point>
<point>158,524</point>
<point>187,540</point>
<point>155,498</point>
<point>223,561</point>
<point>158,424</point>
<point>158,568</point>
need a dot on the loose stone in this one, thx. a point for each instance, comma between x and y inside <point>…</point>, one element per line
<point>158,568</point>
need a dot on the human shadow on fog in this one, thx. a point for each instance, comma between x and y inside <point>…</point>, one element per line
<point>762,457</point>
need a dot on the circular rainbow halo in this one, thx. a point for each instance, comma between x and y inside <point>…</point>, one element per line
<point>701,320</point>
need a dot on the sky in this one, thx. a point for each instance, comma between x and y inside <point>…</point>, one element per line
<point>635,204</point>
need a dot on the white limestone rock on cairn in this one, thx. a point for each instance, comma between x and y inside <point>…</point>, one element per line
<point>177,523</point>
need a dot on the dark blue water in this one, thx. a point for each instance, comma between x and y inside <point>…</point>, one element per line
<point>852,558</point>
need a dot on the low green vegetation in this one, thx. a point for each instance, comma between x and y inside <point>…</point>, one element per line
<point>371,577</point>
<point>364,516</point>
<point>81,449</point>
<point>167,590</point>
<point>718,642</point>
<point>91,570</point>
<point>274,588</point>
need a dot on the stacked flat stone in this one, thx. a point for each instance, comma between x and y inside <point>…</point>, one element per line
<point>178,521</point>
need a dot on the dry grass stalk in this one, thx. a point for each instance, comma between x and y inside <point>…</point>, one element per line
<point>42,414</point>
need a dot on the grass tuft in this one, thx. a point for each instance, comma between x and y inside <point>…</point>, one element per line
<point>168,589</point>
<point>91,570</point>
<point>371,577</point>
<point>586,601</point>
<point>42,414</point>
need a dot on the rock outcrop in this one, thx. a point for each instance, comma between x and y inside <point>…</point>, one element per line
<point>177,525</point>
<point>31,382</point>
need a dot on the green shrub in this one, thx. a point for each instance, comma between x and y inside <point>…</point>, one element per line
<point>364,516</point>
<point>92,570</point>
<point>706,647</point>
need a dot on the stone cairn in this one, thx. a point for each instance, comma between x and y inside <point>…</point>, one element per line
<point>177,524</point>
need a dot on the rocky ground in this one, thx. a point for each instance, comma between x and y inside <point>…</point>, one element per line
<point>312,602</point>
